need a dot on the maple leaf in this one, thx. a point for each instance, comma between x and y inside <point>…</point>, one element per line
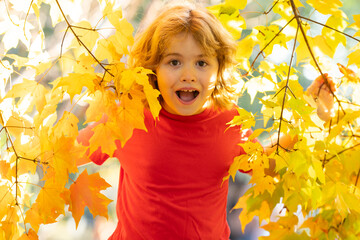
<point>87,35</point>
<point>333,38</point>
<point>349,75</point>
<point>99,100</point>
<point>13,32</point>
<point>9,224</point>
<point>234,23</point>
<point>356,25</point>
<point>105,135</point>
<point>30,235</point>
<point>114,15</point>
<point>60,156</point>
<point>66,126</point>
<point>49,202</point>
<point>328,7</point>
<point>85,191</point>
<point>106,50</point>
<point>18,125</point>
<point>74,83</point>
<point>36,92</point>
<point>4,170</point>
<point>35,218</point>
<point>7,199</point>
<point>123,37</point>
<point>245,119</point>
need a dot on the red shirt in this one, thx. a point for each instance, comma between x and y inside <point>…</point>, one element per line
<point>171,177</point>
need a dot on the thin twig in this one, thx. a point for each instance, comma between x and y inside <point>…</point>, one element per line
<point>262,50</point>
<point>334,29</point>
<point>286,88</point>
<point>79,40</point>
<point>271,7</point>
<point>345,150</point>
<point>27,15</point>
<point>8,13</point>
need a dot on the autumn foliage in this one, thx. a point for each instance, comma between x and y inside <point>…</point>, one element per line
<point>316,185</point>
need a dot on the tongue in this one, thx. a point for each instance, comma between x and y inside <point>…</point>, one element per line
<point>186,96</point>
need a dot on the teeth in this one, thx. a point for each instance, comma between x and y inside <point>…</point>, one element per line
<point>188,90</point>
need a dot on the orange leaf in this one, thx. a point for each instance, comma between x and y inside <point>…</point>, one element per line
<point>31,235</point>
<point>85,191</point>
<point>349,75</point>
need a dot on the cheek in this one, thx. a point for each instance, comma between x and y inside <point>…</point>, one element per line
<point>164,84</point>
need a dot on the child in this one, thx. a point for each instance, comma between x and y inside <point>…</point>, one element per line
<point>171,177</point>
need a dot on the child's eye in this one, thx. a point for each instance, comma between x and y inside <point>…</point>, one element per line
<point>174,62</point>
<point>202,64</point>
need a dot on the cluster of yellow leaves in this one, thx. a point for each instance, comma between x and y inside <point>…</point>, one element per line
<point>38,141</point>
<point>319,174</point>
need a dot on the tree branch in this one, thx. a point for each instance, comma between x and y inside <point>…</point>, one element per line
<point>298,19</point>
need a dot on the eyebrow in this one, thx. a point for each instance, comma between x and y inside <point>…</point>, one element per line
<point>180,55</point>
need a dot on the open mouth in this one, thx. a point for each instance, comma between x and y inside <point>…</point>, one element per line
<point>187,96</point>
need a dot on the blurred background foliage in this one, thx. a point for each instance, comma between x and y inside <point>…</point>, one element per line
<point>138,12</point>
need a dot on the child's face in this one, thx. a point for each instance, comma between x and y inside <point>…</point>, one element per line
<point>186,76</point>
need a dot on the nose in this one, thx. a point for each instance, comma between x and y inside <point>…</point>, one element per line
<point>188,74</point>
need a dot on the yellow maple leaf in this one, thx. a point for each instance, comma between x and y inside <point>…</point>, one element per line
<point>74,83</point>
<point>328,7</point>
<point>50,204</point>
<point>105,135</point>
<point>354,58</point>
<point>35,217</point>
<point>66,126</point>
<point>239,4</point>
<point>60,155</point>
<point>265,34</point>
<point>84,64</point>
<point>34,90</point>
<point>114,15</point>
<point>234,23</point>
<point>356,25</point>
<point>85,191</point>
<point>7,199</point>
<point>105,100</point>
<point>86,34</point>
<point>106,50</point>
<point>123,37</point>
<point>18,125</point>
<point>151,93</point>
<point>244,50</point>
